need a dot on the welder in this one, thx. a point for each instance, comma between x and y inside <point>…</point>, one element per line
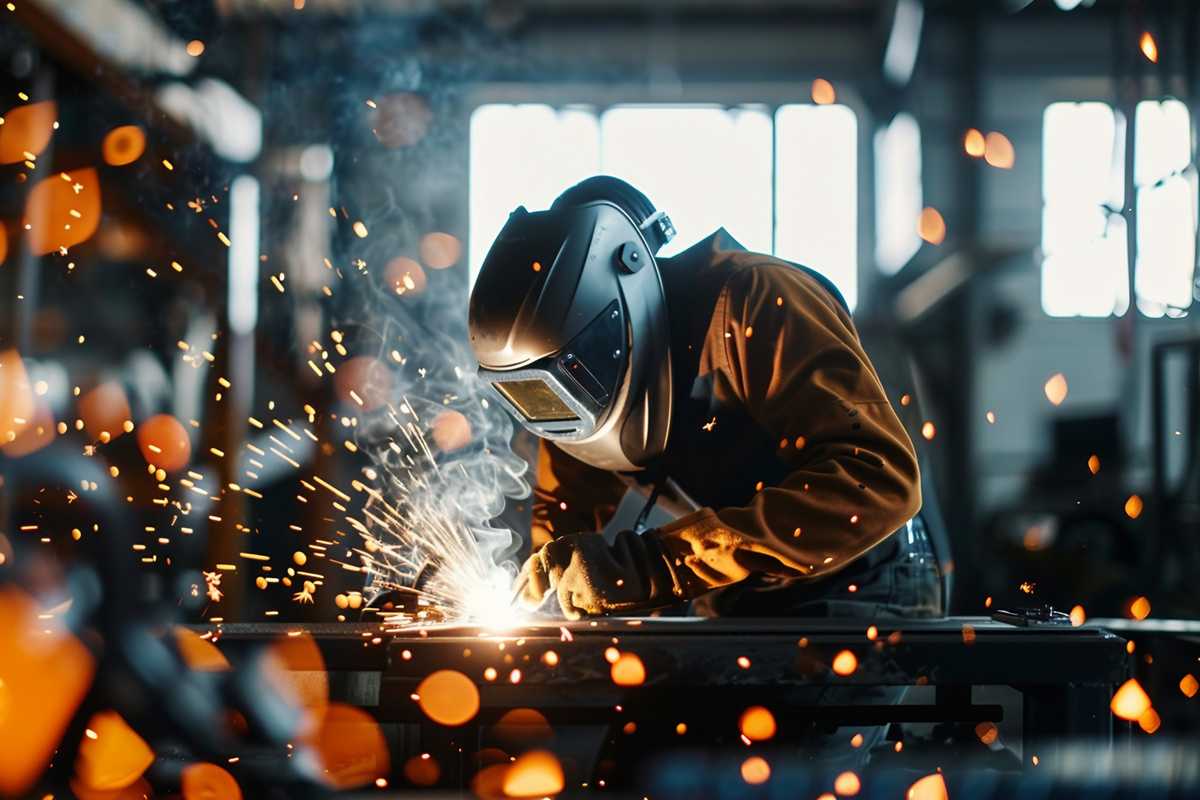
<point>728,388</point>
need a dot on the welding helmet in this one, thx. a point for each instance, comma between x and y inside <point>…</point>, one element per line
<point>568,322</point>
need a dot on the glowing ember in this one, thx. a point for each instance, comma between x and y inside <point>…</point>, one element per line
<point>45,673</point>
<point>847,784</point>
<point>448,697</point>
<point>535,774</point>
<point>124,145</point>
<point>164,442</point>
<point>931,227</point>
<point>1139,609</point>
<point>987,732</point>
<point>422,770</point>
<point>845,663</point>
<point>757,724</point>
<point>350,748</point>
<point>1149,721</point>
<point>928,431</point>
<point>440,250</point>
<point>999,151</point>
<point>111,756</point>
<point>1189,685</point>
<point>628,670</point>
<point>208,781</point>
<point>1078,616</point>
<point>1056,389</point>
<point>931,787</point>
<point>856,740</point>
<point>1149,47</point>
<point>973,143</point>
<point>823,93</point>
<point>26,131</point>
<point>756,770</point>
<point>1134,506</point>
<point>1130,701</point>
<point>1093,463</point>
<point>195,48</point>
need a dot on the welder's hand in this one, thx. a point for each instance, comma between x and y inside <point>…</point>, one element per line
<point>591,578</point>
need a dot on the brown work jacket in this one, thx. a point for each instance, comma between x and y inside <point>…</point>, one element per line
<point>785,459</point>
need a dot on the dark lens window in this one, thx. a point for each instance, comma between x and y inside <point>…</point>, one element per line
<point>536,400</point>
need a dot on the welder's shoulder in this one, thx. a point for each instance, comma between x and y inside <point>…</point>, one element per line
<point>756,283</point>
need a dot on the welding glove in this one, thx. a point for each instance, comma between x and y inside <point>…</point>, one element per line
<point>590,577</point>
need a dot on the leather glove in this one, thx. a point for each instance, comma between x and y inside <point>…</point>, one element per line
<point>590,577</point>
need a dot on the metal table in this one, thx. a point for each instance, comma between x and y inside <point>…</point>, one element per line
<point>1066,676</point>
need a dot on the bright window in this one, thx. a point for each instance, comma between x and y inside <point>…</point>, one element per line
<point>816,197</point>
<point>1085,266</point>
<point>1083,243</point>
<point>706,166</point>
<point>1166,208</point>
<point>524,155</point>
<point>898,196</point>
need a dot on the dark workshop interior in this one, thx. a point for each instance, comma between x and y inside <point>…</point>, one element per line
<point>843,441</point>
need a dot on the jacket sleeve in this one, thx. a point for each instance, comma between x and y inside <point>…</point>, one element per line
<point>784,351</point>
<point>570,496</point>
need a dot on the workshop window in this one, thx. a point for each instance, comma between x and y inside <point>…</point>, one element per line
<point>707,167</point>
<point>1083,234</point>
<point>782,184</point>
<point>524,155</point>
<point>816,191</point>
<point>1166,208</point>
<point>898,196</point>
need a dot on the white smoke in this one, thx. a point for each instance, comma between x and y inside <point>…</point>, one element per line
<point>441,470</point>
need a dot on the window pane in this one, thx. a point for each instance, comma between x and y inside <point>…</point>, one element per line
<point>898,198</point>
<point>707,167</point>
<point>1084,265</point>
<point>524,155</point>
<point>816,191</point>
<point>1166,246</point>
<point>1163,143</point>
<point>1083,273</point>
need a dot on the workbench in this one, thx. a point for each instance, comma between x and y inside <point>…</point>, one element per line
<point>713,668</point>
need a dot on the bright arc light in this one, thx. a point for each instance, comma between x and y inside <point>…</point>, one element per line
<point>489,603</point>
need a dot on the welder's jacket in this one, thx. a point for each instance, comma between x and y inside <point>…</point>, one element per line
<point>785,456</point>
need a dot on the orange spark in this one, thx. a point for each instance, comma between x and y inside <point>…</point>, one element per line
<point>439,250</point>
<point>535,774</point>
<point>1149,47</point>
<point>1078,616</point>
<point>1056,388</point>
<point>1139,609</point>
<point>1093,463</point>
<point>448,697</point>
<point>111,756</point>
<point>756,770</point>
<point>847,784</point>
<point>823,93</point>
<point>1000,151</point>
<point>26,129</point>
<point>1133,506</point>
<point>123,145</point>
<point>757,724</point>
<point>628,670</point>
<point>931,787</point>
<point>928,430</point>
<point>1189,685</point>
<point>973,143</point>
<point>1130,701</point>
<point>931,227</point>
<point>845,663</point>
